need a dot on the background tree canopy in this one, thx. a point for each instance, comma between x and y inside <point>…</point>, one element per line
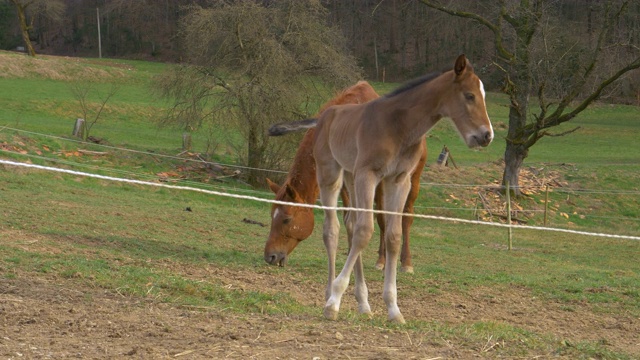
<point>249,66</point>
<point>249,63</point>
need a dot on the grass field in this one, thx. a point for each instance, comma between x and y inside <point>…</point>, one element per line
<point>555,295</point>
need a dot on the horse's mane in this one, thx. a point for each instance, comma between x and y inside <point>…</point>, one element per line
<point>413,83</point>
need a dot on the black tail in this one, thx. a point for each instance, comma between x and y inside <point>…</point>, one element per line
<point>284,128</point>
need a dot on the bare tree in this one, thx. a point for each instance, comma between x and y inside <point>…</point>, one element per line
<point>26,9</point>
<point>251,65</point>
<point>91,111</point>
<point>568,68</point>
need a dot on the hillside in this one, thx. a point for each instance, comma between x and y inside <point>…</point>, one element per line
<point>93,268</point>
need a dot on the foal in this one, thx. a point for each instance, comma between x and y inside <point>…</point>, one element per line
<point>378,144</point>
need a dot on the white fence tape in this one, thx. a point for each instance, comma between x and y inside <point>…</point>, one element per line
<point>253,198</point>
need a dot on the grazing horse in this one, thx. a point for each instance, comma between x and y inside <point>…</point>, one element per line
<point>292,224</point>
<point>379,144</point>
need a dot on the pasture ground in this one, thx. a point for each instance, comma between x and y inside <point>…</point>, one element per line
<point>50,317</point>
<point>99,270</point>
<point>130,274</point>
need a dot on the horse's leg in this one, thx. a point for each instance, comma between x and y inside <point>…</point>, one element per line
<point>361,292</point>
<point>363,229</point>
<point>380,218</point>
<point>347,215</point>
<point>407,221</point>
<point>395,197</point>
<point>330,184</point>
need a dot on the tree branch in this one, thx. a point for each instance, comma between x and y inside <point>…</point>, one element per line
<point>590,66</point>
<point>497,31</point>
<point>595,94</point>
<point>545,133</point>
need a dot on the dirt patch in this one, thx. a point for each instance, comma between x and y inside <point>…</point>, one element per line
<point>51,319</point>
<point>64,318</point>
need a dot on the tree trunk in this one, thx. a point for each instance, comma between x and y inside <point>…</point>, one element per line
<point>24,28</point>
<point>514,156</point>
<point>254,156</point>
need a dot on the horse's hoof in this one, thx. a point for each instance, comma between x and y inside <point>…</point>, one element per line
<point>398,319</point>
<point>380,266</point>
<point>365,310</point>
<point>368,315</point>
<point>407,269</point>
<point>330,313</point>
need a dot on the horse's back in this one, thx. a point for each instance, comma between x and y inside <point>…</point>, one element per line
<point>336,134</point>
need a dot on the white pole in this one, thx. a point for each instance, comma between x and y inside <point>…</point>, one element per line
<point>99,39</point>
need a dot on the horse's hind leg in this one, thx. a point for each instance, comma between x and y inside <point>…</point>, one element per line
<point>407,221</point>
<point>361,291</point>
<point>395,196</point>
<point>380,219</point>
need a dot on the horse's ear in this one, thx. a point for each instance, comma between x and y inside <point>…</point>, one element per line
<point>461,64</point>
<point>273,186</point>
<point>293,194</point>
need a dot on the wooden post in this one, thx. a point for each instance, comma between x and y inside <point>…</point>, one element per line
<point>451,158</point>
<point>443,157</point>
<point>78,128</point>
<point>546,204</point>
<point>186,141</point>
<point>475,210</point>
<point>99,37</point>
<point>509,214</point>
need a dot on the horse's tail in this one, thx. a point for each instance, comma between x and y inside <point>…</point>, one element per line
<point>284,128</point>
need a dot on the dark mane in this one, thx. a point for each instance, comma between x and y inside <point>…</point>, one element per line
<point>413,83</point>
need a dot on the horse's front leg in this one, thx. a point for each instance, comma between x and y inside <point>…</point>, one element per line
<point>329,192</point>
<point>362,231</point>
<point>396,191</point>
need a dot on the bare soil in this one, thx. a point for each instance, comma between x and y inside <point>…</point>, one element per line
<point>56,318</point>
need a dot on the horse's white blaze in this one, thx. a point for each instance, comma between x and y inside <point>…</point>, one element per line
<point>276,213</point>
<point>485,105</point>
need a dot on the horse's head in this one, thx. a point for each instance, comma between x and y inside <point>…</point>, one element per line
<point>465,105</point>
<point>289,225</point>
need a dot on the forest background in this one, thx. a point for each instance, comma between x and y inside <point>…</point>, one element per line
<point>392,40</point>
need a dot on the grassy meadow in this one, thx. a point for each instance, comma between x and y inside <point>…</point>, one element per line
<point>138,241</point>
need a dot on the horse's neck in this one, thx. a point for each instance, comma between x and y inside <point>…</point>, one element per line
<point>417,109</point>
<point>302,175</point>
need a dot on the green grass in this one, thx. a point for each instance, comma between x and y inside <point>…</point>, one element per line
<point>139,240</point>
<point>136,240</point>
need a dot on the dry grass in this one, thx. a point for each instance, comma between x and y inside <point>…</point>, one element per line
<point>16,65</point>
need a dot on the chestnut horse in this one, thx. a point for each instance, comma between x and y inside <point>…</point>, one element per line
<point>378,144</point>
<point>292,224</point>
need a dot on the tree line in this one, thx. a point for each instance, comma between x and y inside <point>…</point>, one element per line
<point>392,40</point>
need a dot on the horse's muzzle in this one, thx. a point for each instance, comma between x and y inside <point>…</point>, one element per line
<point>483,139</point>
<point>278,258</point>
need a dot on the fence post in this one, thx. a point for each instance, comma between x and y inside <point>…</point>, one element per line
<point>546,204</point>
<point>78,128</point>
<point>186,141</point>
<point>509,214</point>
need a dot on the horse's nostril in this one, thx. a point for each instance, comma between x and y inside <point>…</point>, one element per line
<point>270,259</point>
<point>276,259</point>
<point>488,136</point>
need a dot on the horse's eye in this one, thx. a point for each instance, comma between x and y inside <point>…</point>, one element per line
<point>469,96</point>
<point>286,221</point>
